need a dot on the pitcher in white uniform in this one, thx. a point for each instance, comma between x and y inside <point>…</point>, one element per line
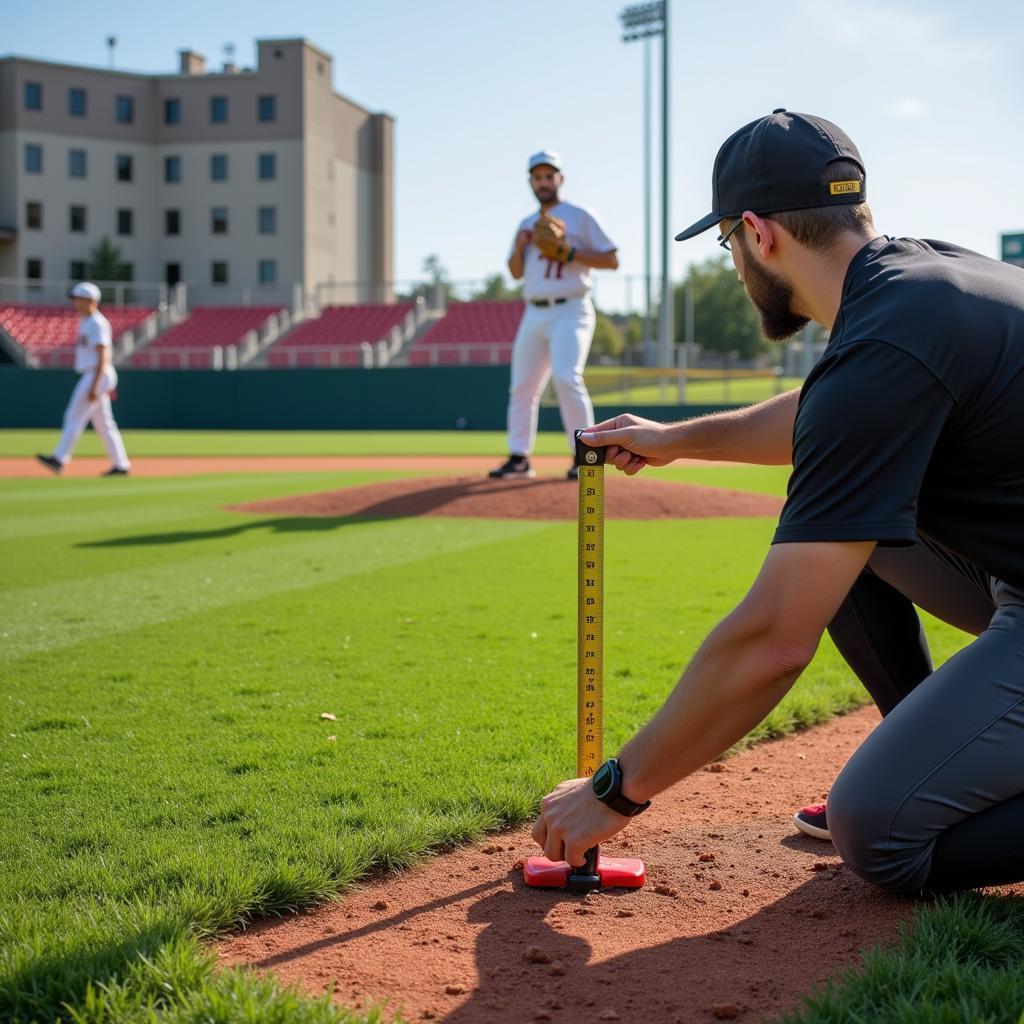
<point>97,379</point>
<point>558,324</point>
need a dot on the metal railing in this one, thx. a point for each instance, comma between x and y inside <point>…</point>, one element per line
<point>54,292</point>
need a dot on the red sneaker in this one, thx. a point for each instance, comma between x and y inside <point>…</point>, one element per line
<point>812,821</point>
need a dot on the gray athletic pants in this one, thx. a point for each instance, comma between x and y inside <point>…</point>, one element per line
<point>933,800</point>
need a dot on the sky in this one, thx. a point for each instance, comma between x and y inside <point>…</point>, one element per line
<point>929,90</point>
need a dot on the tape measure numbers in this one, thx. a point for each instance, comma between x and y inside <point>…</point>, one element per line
<point>590,620</point>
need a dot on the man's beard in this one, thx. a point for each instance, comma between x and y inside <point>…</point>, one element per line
<point>546,195</point>
<point>772,297</point>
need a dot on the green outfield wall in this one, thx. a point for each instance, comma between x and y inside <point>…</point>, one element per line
<point>429,398</point>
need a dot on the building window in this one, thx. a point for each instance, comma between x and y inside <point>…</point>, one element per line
<point>76,102</point>
<point>76,163</point>
<point>124,109</point>
<point>218,109</point>
<point>76,219</point>
<point>172,222</point>
<point>172,111</point>
<point>268,271</point>
<point>219,167</point>
<point>218,272</point>
<point>266,108</point>
<point>34,269</point>
<point>172,169</point>
<point>33,215</point>
<point>33,158</point>
<point>123,163</point>
<point>77,270</point>
<point>268,220</point>
<point>219,220</point>
<point>124,222</point>
<point>267,166</point>
<point>172,273</point>
<point>33,95</point>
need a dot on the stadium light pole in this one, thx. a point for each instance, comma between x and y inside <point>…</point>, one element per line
<point>642,21</point>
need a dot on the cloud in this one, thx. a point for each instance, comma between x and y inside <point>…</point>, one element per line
<point>907,106</point>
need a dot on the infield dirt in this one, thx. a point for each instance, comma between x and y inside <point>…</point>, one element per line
<point>541,498</point>
<point>740,916</point>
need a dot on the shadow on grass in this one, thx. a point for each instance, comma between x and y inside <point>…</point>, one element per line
<point>430,498</point>
<point>42,987</point>
<point>283,524</point>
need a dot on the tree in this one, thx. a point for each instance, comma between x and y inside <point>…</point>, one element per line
<point>105,262</point>
<point>633,331</point>
<point>724,318</point>
<point>437,275</point>
<point>607,340</point>
<point>495,290</point>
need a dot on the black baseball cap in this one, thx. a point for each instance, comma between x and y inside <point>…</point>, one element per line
<point>776,164</point>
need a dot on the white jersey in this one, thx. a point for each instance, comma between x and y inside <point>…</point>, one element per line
<point>544,278</point>
<point>93,334</point>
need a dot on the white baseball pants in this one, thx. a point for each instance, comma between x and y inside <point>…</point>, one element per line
<point>552,342</point>
<point>80,411</point>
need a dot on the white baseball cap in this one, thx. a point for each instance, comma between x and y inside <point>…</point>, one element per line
<point>545,156</point>
<point>85,290</point>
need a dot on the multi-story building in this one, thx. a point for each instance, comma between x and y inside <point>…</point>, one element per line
<point>241,183</point>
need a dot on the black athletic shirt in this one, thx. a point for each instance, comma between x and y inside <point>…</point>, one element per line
<point>913,420</point>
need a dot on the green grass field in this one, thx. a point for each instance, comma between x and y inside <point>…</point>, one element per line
<point>165,662</point>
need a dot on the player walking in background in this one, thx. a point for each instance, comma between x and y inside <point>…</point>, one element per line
<point>553,252</point>
<point>97,379</point>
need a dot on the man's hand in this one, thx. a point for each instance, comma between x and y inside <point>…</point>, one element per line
<point>572,820</point>
<point>633,442</point>
<point>523,239</point>
<point>94,394</point>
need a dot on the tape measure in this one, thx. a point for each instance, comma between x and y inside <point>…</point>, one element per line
<point>596,871</point>
<point>590,617</point>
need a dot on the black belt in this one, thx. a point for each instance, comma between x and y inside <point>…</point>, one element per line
<point>547,302</point>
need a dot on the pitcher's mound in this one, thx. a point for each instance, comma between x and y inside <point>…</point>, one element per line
<point>543,498</point>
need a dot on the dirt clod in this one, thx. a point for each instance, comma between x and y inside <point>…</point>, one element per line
<point>715,885</point>
<point>623,913</point>
<point>381,905</point>
<point>455,990</point>
<point>666,890</point>
<point>725,1011</point>
<point>536,955</point>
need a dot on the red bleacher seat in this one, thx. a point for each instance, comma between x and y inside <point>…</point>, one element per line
<point>337,329</point>
<point>471,333</point>
<point>205,328</point>
<point>50,331</point>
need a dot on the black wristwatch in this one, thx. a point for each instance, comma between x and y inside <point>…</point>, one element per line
<point>607,783</point>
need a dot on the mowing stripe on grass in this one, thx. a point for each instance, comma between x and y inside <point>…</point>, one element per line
<point>68,612</point>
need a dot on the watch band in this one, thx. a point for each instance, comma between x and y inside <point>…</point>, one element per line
<point>611,794</point>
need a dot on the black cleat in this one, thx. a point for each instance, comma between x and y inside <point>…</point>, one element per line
<point>574,473</point>
<point>52,464</point>
<point>516,466</point>
<point>116,471</point>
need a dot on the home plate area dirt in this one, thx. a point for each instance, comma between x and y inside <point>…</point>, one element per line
<point>740,917</point>
<point>541,498</point>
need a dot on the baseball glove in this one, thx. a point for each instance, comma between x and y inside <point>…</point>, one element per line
<point>550,238</point>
